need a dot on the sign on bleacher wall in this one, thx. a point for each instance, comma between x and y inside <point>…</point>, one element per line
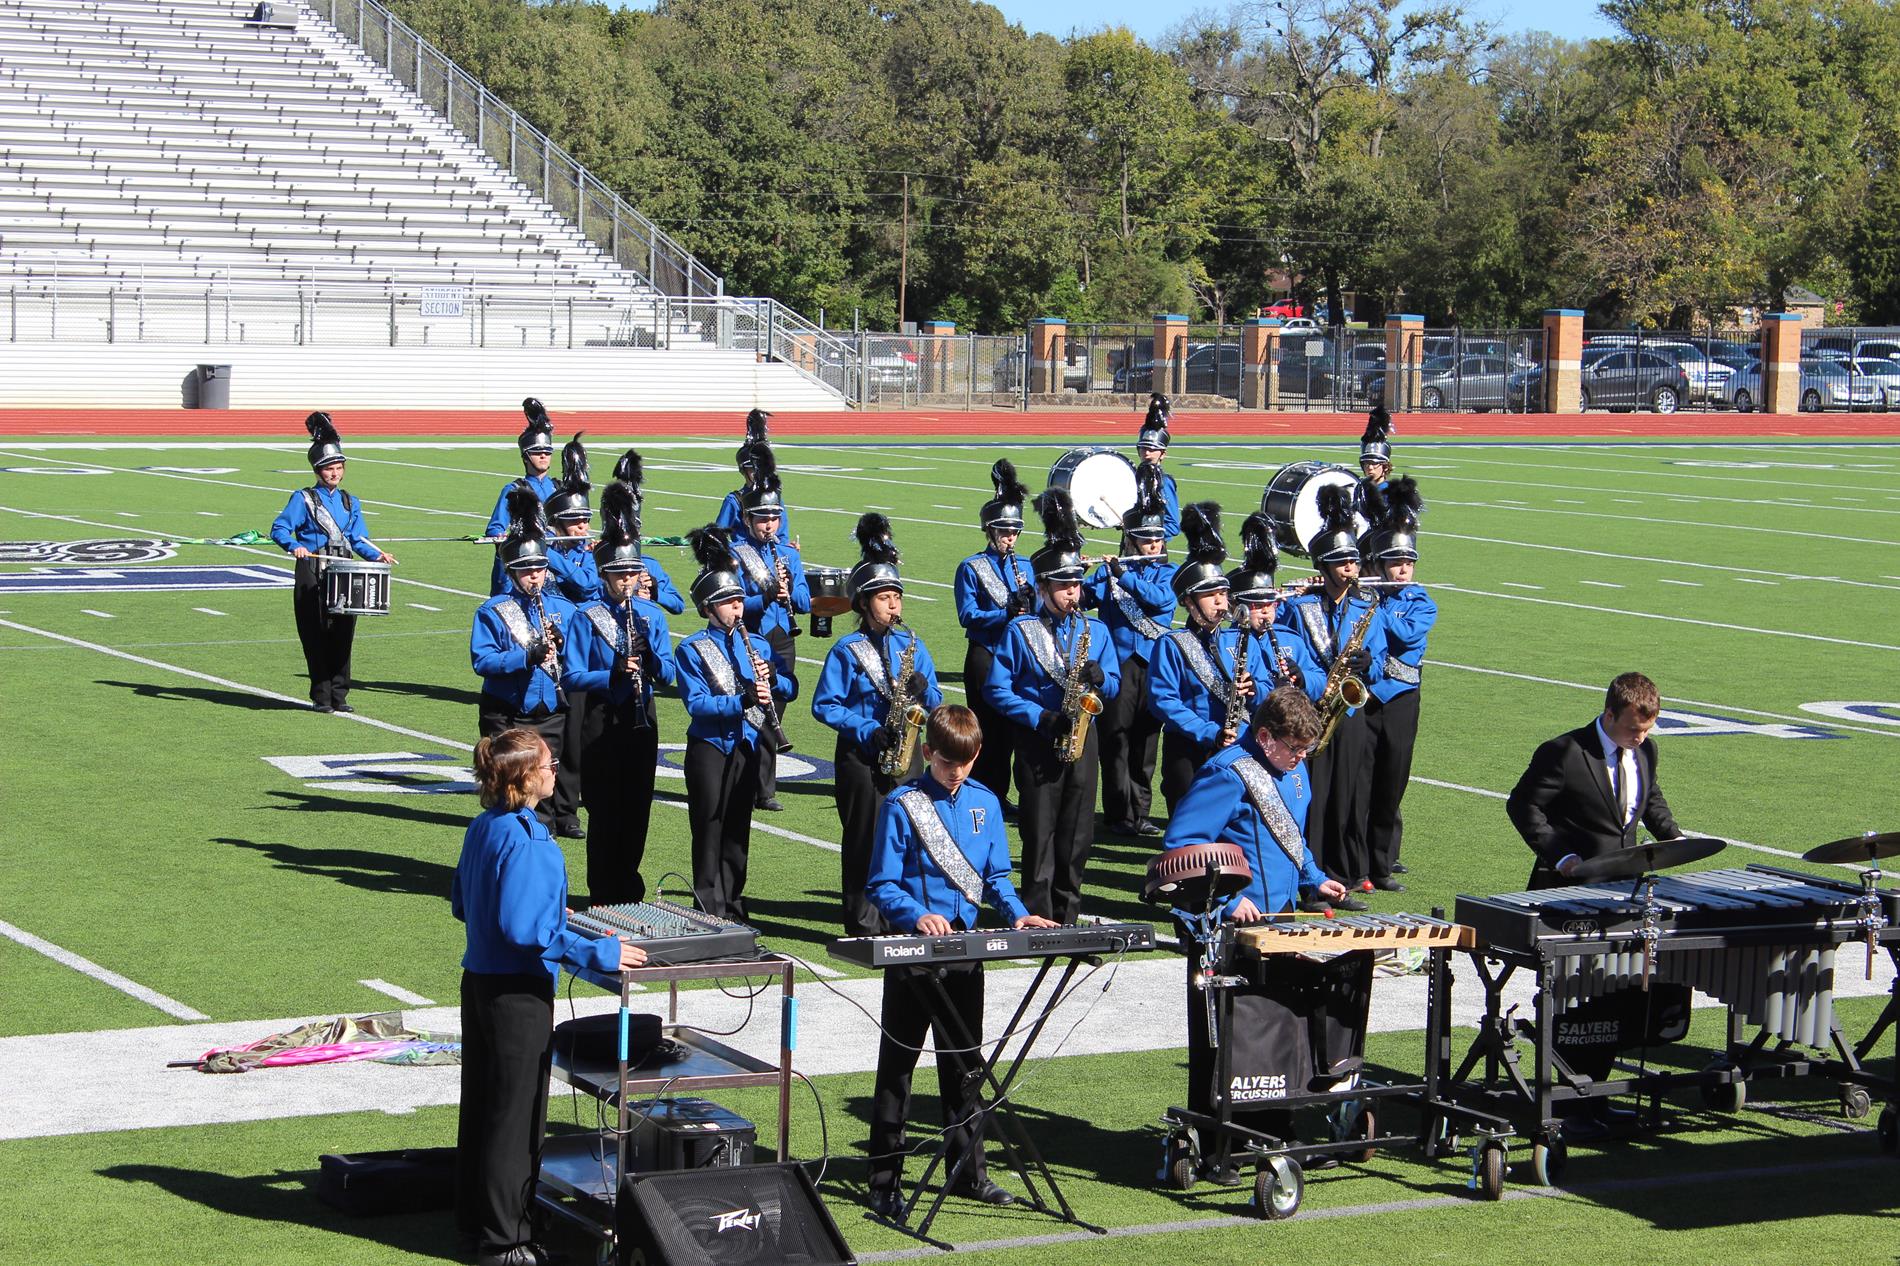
<point>443,301</point>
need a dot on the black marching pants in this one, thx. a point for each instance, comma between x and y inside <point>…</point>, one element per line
<point>496,716</point>
<point>999,734</point>
<point>785,660</point>
<point>1393,727</point>
<point>1130,735</point>
<point>720,789</point>
<point>507,1043</point>
<point>1181,760</point>
<point>1056,814</point>
<point>619,748</point>
<point>326,638</point>
<point>567,779</point>
<point>910,1010</point>
<point>861,789</point>
<point>1336,821</point>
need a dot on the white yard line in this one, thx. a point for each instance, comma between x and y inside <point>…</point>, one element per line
<point>208,611</point>
<point>1668,619</point>
<point>398,993</point>
<point>105,976</point>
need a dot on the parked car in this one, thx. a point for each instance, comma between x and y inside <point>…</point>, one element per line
<point>1847,347</point>
<point>1742,384</point>
<point>1007,374</point>
<point>1708,377</point>
<point>1624,378</point>
<point>1474,382</point>
<point>1299,323</point>
<point>1883,373</point>
<point>1284,308</point>
<point>1213,369</point>
<point>1826,384</point>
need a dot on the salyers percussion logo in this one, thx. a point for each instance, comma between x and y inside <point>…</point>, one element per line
<point>1256,1089</point>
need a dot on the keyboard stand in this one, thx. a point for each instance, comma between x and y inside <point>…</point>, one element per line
<point>993,1102</point>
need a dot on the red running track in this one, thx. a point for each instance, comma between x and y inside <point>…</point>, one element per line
<point>1113,425</point>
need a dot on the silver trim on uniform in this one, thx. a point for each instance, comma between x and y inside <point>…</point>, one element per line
<point>942,848</point>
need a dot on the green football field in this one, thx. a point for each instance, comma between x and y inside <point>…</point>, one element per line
<point>179,822</point>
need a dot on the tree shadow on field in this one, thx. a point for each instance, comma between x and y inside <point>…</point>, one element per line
<point>355,867</point>
<point>422,690</point>
<point>287,1197</point>
<point>205,694</point>
<point>300,801</point>
<point>771,917</point>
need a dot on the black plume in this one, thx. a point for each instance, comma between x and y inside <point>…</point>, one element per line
<point>628,470</point>
<point>1336,508</point>
<point>1008,487</point>
<point>1378,426</point>
<point>1403,502</point>
<point>874,539</point>
<point>574,465</point>
<point>765,468</point>
<point>1375,500</point>
<point>1159,410</point>
<point>755,425</point>
<point>709,546</point>
<point>533,410</point>
<point>527,518</point>
<point>1148,489</point>
<point>318,424</point>
<point>1256,537</point>
<point>619,516</point>
<point>1058,519</point>
<point>1200,524</point>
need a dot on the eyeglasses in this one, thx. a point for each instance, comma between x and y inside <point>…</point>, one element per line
<point>552,765</point>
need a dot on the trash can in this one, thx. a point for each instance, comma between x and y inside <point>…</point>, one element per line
<point>214,387</point>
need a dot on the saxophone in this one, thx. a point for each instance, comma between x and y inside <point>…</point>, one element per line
<point>1344,691</point>
<point>905,720</point>
<point>1079,704</point>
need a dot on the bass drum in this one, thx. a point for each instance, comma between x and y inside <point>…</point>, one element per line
<point>1291,502</point>
<point>1101,482</point>
<point>827,589</point>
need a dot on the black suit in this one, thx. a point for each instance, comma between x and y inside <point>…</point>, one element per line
<point>1564,803</point>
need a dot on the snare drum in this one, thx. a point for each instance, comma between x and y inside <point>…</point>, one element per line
<point>1101,482</point>
<point>354,587</point>
<point>827,589</point>
<point>1291,502</point>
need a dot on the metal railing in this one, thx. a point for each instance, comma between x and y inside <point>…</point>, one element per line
<point>521,149</point>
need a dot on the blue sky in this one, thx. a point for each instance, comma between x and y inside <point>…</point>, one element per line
<point>1572,19</point>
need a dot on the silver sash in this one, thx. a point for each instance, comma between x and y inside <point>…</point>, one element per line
<point>943,850</point>
<point>1317,631</point>
<point>516,622</point>
<point>1398,670</point>
<point>990,580</point>
<point>1042,646</point>
<point>608,627</point>
<point>325,520</point>
<point>724,677</point>
<point>764,578</point>
<point>1138,620</point>
<point>873,665</point>
<point>1198,663</point>
<point>1266,798</point>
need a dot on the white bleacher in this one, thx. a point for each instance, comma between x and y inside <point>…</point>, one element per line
<point>199,165</point>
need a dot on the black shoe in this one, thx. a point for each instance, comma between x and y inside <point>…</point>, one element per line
<point>771,805</point>
<point>550,1257</point>
<point>1350,902</point>
<point>1315,906</point>
<point>1616,1117</point>
<point>519,1255</point>
<point>344,707</point>
<point>321,707</point>
<point>888,1205</point>
<point>1320,1162</point>
<point>1584,1129</point>
<point>1009,811</point>
<point>1147,827</point>
<point>985,1191</point>
<point>1399,868</point>
<point>571,830</point>
<point>1386,883</point>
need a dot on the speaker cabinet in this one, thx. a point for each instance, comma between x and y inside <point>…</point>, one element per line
<point>748,1215</point>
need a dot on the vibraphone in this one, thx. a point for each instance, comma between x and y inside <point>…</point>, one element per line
<point>1762,940</point>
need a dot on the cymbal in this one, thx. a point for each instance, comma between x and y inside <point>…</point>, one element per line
<point>1856,848</point>
<point>1644,859</point>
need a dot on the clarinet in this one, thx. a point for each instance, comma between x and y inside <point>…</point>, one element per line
<point>782,581</point>
<point>551,634</point>
<point>1282,663</point>
<point>633,649</point>
<point>1009,558</point>
<point>769,724</point>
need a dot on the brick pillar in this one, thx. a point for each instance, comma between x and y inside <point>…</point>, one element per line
<point>1781,362</point>
<point>1045,354</point>
<point>939,355</point>
<point>1259,346</point>
<point>1404,344</point>
<point>1170,358</point>
<point>1563,360</point>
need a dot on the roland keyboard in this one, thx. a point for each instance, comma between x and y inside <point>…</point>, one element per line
<point>991,943</point>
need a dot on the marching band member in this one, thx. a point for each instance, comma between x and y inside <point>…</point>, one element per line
<point>318,522</point>
<point>572,574</point>
<point>1254,793</point>
<point>775,592</point>
<point>510,889</point>
<point>519,642</point>
<point>941,855</point>
<point>1151,445</point>
<point>729,684</point>
<point>992,588</point>
<point>1326,620</point>
<point>536,442</point>
<point>1375,448</point>
<point>622,652</point>
<point>1392,712</point>
<point>854,697</point>
<point>1055,657</point>
<point>651,581</point>
<point>1194,670</point>
<point>753,457</point>
<point>1256,601</point>
<point>1137,604</point>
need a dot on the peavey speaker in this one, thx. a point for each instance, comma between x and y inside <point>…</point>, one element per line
<point>751,1215</point>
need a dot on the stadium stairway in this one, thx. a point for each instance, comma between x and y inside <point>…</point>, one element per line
<point>180,186</point>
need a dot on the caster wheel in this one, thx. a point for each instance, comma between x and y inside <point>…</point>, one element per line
<point>1856,1103</point>
<point>1549,1155</point>
<point>1887,1130</point>
<point>1178,1168</point>
<point>1726,1097</point>
<point>1369,1131</point>
<point>1278,1188</point>
<point>1491,1171</point>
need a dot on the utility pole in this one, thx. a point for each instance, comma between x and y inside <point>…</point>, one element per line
<point>903,255</point>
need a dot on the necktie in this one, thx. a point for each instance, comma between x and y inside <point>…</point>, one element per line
<point>1623,785</point>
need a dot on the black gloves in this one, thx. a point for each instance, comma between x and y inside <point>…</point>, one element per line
<point>1360,661</point>
<point>880,742</point>
<point>1049,729</point>
<point>1093,674</point>
<point>1019,601</point>
<point>915,685</point>
<point>536,649</point>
